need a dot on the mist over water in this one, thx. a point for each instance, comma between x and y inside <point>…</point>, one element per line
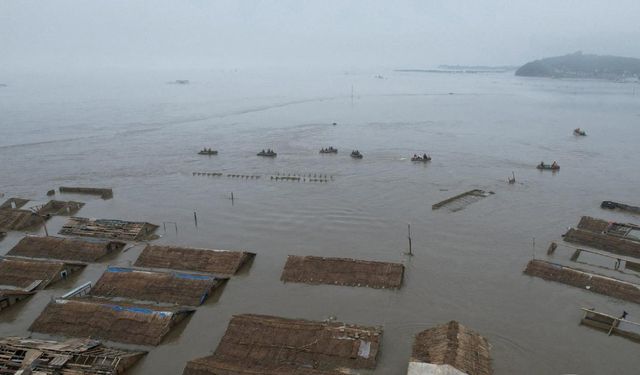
<point>136,133</point>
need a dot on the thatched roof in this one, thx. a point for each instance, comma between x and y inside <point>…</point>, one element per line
<point>61,208</point>
<point>22,273</point>
<point>142,285</point>
<point>261,344</point>
<point>592,224</point>
<point>593,282</point>
<point>82,250</point>
<point>222,262</point>
<point>13,203</point>
<point>96,318</point>
<point>75,356</point>
<point>455,345</point>
<point>19,220</point>
<point>212,366</point>
<point>340,271</point>
<point>110,229</point>
<point>603,241</point>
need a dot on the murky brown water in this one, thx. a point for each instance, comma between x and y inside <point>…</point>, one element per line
<point>140,137</point>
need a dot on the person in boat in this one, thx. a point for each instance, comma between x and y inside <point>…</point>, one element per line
<point>415,156</point>
<point>262,152</point>
<point>541,164</point>
<point>554,164</point>
<point>424,157</point>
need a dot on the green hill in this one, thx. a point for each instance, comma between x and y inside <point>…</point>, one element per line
<point>579,65</point>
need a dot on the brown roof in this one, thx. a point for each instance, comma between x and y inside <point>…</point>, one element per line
<point>602,241</point>
<point>212,366</point>
<point>261,344</point>
<point>122,322</point>
<point>339,271</point>
<point>14,202</point>
<point>592,224</point>
<point>82,250</point>
<point>19,219</point>
<point>22,273</point>
<point>200,260</point>
<point>74,356</point>
<point>595,283</point>
<point>61,208</point>
<point>169,287</point>
<point>455,345</point>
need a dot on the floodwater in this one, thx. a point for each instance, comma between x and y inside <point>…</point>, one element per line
<point>139,135</point>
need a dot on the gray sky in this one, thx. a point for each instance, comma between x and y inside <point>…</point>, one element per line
<point>62,34</point>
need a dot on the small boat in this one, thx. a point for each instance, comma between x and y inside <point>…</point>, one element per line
<point>269,153</point>
<point>580,132</point>
<point>356,154</point>
<point>329,150</point>
<point>425,158</point>
<point>208,151</point>
<point>624,207</point>
<point>550,167</point>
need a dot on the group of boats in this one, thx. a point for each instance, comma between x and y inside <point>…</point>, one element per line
<point>356,154</point>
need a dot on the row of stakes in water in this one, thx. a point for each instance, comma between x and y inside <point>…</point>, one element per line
<point>315,177</point>
<point>218,174</point>
<point>311,177</point>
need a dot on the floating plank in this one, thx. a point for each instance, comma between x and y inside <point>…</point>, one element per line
<point>342,271</point>
<point>258,344</point>
<point>122,322</point>
<point>450,349</point>
<point>593,282</point>
<point>222,262</point>
<point>460,201</point>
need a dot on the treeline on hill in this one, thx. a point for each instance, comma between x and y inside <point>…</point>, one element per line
<point>579,65</point>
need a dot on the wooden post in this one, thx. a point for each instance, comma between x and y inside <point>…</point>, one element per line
<point>409,237</point>
<point>44,223</point>
<point>195,218</point>
<point>533,255</point>
<point>552,248</point>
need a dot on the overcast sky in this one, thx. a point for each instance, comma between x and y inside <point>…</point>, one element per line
<point>342,33</point>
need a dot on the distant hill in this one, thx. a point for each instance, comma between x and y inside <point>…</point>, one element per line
<point>579,65</point>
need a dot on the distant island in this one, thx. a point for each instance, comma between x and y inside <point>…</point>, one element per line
<point>579,65</point>
<point>468,69</point>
